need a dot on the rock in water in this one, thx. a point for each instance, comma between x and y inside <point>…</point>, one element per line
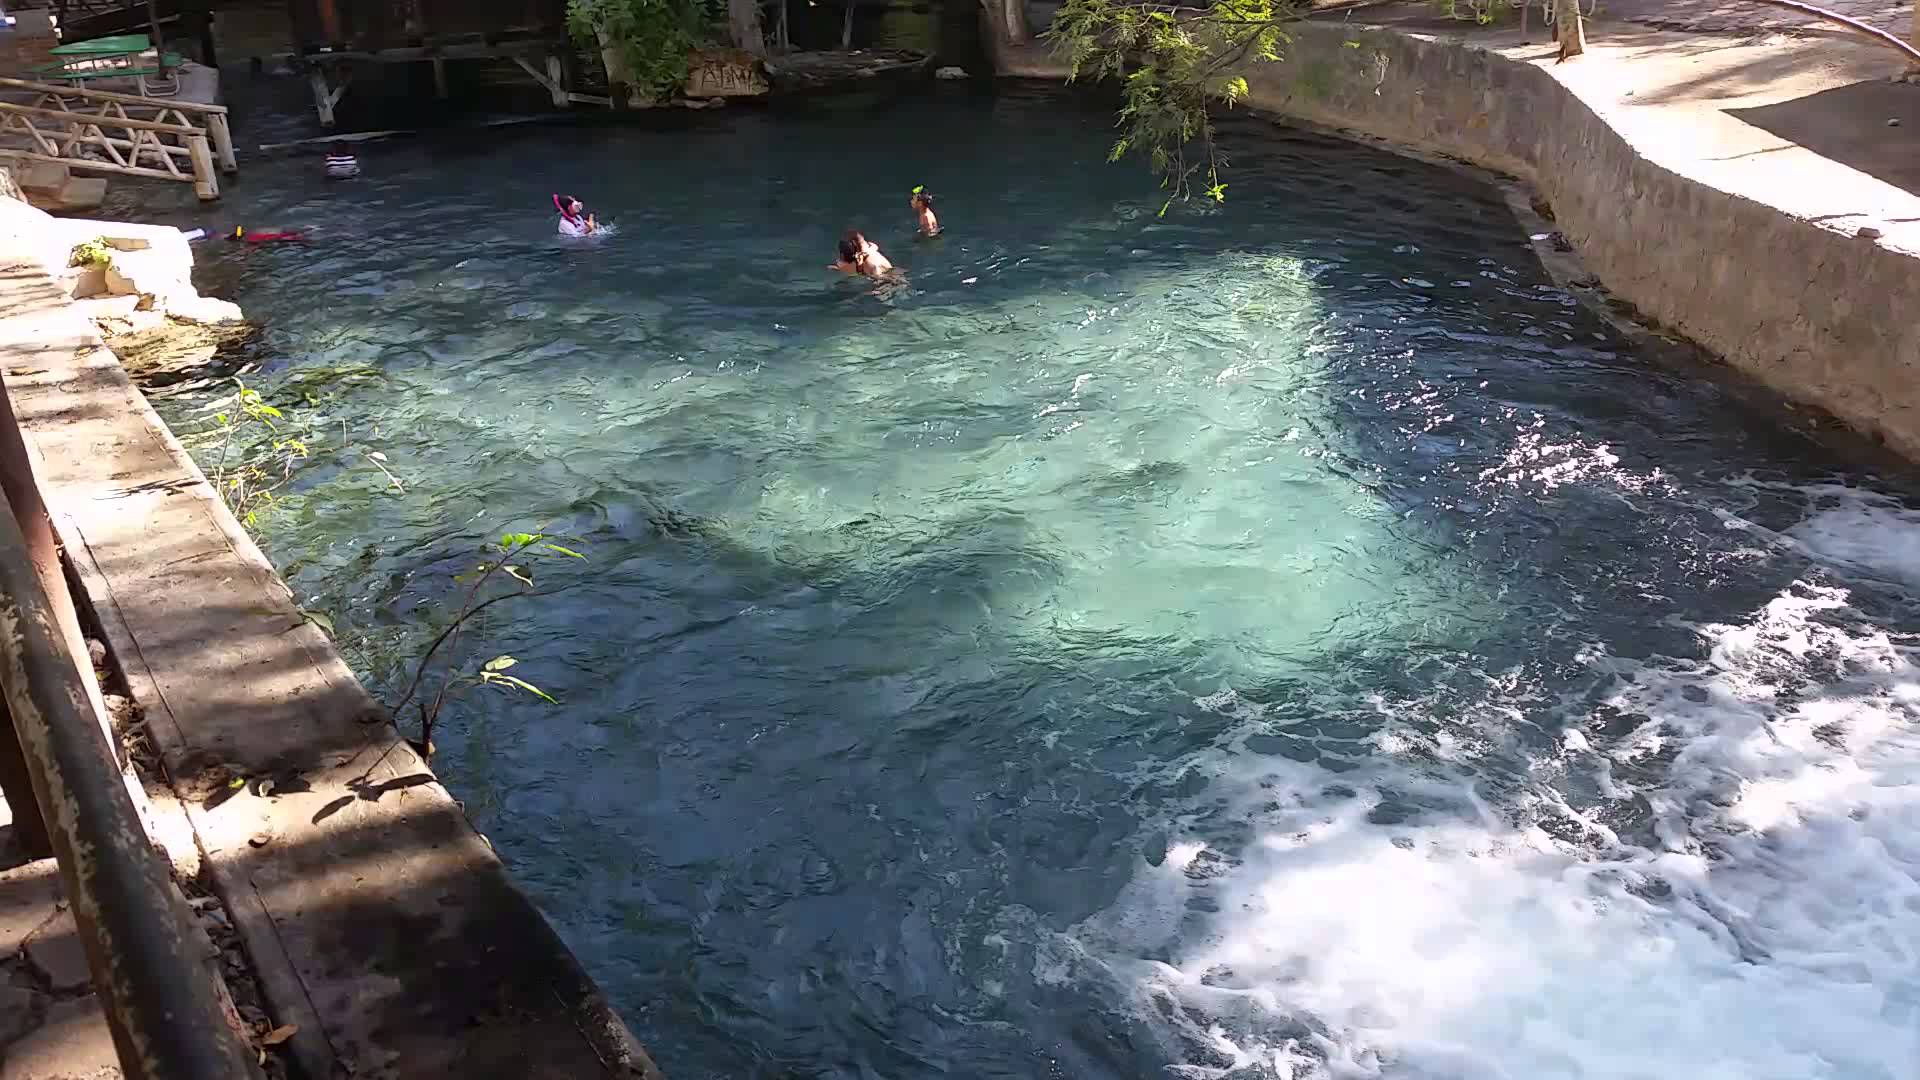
<point>951,73</point>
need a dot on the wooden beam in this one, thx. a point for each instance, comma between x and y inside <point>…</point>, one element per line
<point>440,78</point>
<point>206,182</point>
<point>557,80</point>
<point>325,97</point>
<point>222,137</point>
<point>86,164</point>
<point>552,85</point>
<point>105,95</point>
<point>409,54</point>
<point>97,120</point>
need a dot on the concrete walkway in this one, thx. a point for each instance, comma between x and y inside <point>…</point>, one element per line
<point>378,922</point>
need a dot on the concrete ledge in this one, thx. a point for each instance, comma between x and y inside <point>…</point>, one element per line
<point>380,923</point>
<point>1741,240</point>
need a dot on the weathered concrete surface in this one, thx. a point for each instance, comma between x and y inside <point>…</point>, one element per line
<point>1678,166</point>
<point>51,1026</point>
<point>71,1043</point>
<point>377,920</point>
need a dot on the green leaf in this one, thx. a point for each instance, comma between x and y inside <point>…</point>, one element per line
<point>508,541</point>
<point>237,782</point>
<point>568,552</point>
<point>499,663</point>
<point>1349,44</point>
<point>317,619</point>
<point>918,188</point>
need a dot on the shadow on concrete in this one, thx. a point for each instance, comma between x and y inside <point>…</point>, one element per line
<point>1760,70</point>
<point>1853,125</point>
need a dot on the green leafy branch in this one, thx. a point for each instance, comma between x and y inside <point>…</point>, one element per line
<point>507,561</point>
<point>655,37</point>
<point>268,453</point>
<point>258,447</point>
<point>1174,63</point>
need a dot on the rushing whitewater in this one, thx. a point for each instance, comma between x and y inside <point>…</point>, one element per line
<point>1283,638</point>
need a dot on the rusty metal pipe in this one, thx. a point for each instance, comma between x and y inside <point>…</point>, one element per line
<point>146,956</point>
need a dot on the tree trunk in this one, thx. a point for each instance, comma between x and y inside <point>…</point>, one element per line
<point>620,84</point>
<point>846,29</point>
<point>1009,19</point>
<point>781,37</point>
<point>1567,28</point>
<point>743,22</point>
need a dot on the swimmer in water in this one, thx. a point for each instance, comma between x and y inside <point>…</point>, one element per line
<point>574,221</point>
<point>859,255</point>
<point>269,236</point>
<point>923,218</point>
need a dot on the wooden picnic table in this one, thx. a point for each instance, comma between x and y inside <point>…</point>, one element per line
<point>116,57</point>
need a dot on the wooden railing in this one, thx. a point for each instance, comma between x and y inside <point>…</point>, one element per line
<point>126,134</point>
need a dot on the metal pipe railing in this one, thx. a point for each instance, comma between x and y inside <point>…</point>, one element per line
<point>147,958</point>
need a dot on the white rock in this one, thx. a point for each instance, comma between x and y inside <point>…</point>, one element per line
<point>951,73</point>
<point>154,275</point>
<point>205,310</point>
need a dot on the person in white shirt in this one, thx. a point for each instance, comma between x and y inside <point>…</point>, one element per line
<point>574,221</point>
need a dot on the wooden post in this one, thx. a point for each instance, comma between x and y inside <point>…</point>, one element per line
<point>556,81</point>
<point>322,96</point>
<point>206,182</point>
<point>440,78</point>
<point>207,56</point>
<point>222,137</point>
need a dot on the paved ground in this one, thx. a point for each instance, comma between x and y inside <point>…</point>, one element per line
<point>1745,16</point>
<point>51,1027</point>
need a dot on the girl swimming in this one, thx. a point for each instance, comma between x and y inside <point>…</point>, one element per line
<point>573,220</point>
<point>859,255</point>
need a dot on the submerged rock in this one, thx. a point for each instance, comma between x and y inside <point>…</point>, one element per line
<point>950,73</point>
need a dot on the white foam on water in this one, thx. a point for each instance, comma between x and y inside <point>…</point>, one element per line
<point>1758,918</point>
<point>1862,529</point>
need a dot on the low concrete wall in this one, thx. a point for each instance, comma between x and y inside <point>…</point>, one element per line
<point>1819,315</point>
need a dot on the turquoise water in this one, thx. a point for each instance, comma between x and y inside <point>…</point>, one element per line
<point>1282,638</point>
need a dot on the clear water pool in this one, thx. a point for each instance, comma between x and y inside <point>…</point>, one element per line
<point>1286,638</point>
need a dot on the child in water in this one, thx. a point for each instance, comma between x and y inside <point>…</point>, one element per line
<point>573,219</point>
<point>859,255</point>
<point>923,218</point>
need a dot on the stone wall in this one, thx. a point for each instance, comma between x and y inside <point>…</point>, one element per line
<point>1821,316</point>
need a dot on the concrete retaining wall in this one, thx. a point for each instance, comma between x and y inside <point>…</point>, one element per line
<point>1819,315</point>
